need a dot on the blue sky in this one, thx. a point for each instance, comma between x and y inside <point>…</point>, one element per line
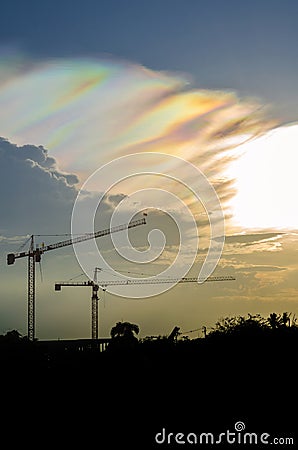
<point>84,82</point>
<point>248,46</point>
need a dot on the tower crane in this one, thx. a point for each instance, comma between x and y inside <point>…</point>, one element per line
<point>34,255</point>
<point>96,285</point>
<point>94,299</point>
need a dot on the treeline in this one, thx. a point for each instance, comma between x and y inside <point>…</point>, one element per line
<point>250,342</point>
<point>231,329</point>
<point>244,369</point>
<point>234,342</point>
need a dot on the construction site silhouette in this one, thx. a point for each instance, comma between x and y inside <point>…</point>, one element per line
<point>128,388</point>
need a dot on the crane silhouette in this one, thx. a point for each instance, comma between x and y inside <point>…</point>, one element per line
<point>96,285</point>
<point>34,256</point>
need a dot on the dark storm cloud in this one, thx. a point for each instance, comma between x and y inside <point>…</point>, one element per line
<point>36,155</point>
<point>35,197</point>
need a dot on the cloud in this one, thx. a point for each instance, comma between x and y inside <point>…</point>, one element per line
<point>36,156</point>
<point>251,243</point>
<point>34,194</point>
<point>14,239</point>
<point>241,267</point>
<point>251,238</point>
<point>36,197</point>
<point>88,111</point>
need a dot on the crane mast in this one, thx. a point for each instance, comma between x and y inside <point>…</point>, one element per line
<point>94,306</point>
<point>34,256</point>
<point>31,291</point>
<point>94,312</point>
<point>96,285</point>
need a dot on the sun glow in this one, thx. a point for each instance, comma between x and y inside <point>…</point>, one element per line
<point>266,181</point>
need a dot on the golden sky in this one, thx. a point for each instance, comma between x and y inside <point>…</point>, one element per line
<point>87,113</point>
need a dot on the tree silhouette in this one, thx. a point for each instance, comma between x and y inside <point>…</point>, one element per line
<point>273,321</point>
<point>240,326</point>
<point>280,321</point>
<point>124,338</point>
<point>124,330</point>
<point>285,319</point>
<point>12,336</point>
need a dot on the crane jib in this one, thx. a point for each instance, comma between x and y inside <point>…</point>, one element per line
<point>11,257</point>
<point>156,280</point>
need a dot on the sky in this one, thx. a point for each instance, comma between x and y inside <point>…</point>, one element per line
<point>184,109</point>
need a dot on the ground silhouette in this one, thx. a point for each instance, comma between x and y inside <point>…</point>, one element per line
<point>242,370</point>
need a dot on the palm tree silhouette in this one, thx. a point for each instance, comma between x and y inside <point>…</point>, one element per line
<point>124,330</point>
<point>124,338</point>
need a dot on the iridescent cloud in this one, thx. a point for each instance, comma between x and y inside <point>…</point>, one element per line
<point>87,112</point>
